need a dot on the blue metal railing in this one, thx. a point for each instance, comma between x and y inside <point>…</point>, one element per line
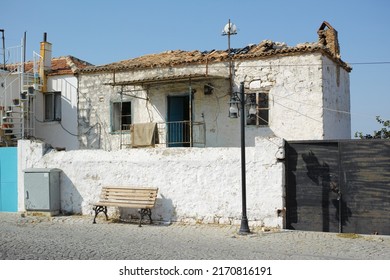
<point>173,134</point>
<point>182,133</point>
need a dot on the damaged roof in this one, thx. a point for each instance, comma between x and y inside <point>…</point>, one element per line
<point>172,58</point>
<point>64,65</point>
<point>67,65</point>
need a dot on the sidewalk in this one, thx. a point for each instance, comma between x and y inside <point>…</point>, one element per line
<point>76,238</point>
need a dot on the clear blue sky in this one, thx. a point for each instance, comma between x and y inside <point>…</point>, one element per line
<point>101,32</point>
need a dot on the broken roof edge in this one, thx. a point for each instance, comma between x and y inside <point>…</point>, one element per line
<point>72,65</point>
<point>179,58</point>
<point>62,65</point>
<point>315,48</point>
<point>337,60</point>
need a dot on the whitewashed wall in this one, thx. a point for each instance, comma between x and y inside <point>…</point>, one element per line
<point>295,93</point>
<point>337,104</point>
<point>195,185</point>
<point>300,88</point>
<point>64,134</point>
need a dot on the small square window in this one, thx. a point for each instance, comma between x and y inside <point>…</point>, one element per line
<point>258,109</point>
<point>120,116</point>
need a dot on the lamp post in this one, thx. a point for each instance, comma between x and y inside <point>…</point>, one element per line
<point>237,108</point>
<point>244,228</point>
<point>235,102</point>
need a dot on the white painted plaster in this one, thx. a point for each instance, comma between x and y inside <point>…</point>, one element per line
<point>300,87</point>
<point>59,134</point>
<point>336,100</point>
<point>195,185</point>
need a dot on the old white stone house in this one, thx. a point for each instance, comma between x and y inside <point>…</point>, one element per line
<point>299,92</point>
<point>162,120</point>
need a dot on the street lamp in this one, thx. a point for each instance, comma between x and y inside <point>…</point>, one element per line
<point>238,102</point>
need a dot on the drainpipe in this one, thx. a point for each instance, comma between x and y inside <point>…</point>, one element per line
<point>120,119</point>
<point>190,109</point>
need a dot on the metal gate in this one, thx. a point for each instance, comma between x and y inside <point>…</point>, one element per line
<point>338,186</point>
<point>8,180</point>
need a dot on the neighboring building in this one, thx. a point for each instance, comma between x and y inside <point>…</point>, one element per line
<point>38,100</point>
<point>299,92</point>
<point>56,108</point>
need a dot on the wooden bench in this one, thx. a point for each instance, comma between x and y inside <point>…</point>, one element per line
<point>139,198</point>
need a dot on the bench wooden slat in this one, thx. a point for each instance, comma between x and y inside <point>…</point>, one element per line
<point>141,190</point>
<point>124,201</point>
<point>127,205</point>
<point>128,191</point>
<point>108,194</point>
<point>112,196</point>
<point>118,196</point>
<point>127,197</point>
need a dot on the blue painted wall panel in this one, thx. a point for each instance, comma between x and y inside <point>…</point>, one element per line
<point>8,180</point>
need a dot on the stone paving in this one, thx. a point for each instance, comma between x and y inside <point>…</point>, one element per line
<point>76,238</point>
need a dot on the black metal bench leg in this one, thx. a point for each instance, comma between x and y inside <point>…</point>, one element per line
<point>142,213</point>
<point>150,215</point>
<point>99,209</point>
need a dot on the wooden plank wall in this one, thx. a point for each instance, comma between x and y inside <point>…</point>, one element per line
<point>320,172</point>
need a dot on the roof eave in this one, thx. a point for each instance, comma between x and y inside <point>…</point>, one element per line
<point>209,60</point>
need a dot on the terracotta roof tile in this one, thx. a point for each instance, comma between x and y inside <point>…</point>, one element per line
<point>67,65</point>
<point>265,48</point>
<point>64,65</point>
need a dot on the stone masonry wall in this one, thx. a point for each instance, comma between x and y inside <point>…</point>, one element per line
<point>195,185</point>
<point>296,86</point>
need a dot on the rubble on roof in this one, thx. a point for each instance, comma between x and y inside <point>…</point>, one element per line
<point>327,43</point>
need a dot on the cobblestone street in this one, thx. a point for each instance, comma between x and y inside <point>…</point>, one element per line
<point>76,238</point>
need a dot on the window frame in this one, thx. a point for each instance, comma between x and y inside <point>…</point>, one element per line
<point>259,99</point>
<point>53,112</point>
<point>117,117</point>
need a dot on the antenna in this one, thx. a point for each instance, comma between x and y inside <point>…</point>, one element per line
<point>228,30</point>
<point>2,31</point>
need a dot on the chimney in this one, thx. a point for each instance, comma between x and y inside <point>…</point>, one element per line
<point>45,62</point>
<point>327,36</point>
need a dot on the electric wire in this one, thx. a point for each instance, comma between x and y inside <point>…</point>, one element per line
<point>364,63</point>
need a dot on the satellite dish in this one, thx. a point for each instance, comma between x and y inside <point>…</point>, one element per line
<point>229,29</point>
